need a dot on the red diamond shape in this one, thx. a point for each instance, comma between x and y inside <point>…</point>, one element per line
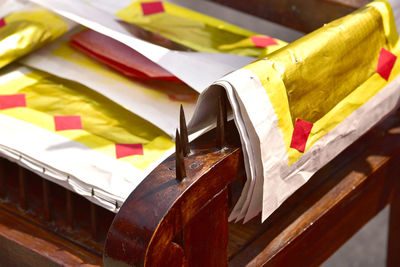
<point>125,150</point>
<point>300,135</point>
<point>385,63</point>
<point>12,101</point>
<point>67,123</point>
<point>150,8</point>
<point>263,41</point>
<point>2,22</point>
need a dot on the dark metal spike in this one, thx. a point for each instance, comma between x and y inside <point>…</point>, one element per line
<point>184,133</point>
<point>179,160</point>
<point>221,122</point>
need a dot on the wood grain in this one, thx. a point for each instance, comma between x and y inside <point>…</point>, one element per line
<point>25,244</point>
<point>302,15</point>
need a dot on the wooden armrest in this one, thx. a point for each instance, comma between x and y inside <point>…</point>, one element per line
<point>169,223</point>
<point>153,224</point>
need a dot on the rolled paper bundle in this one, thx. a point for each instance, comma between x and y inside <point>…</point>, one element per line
<point>118,56</point>
<point>195,30</point>
<point>24,31</point>
<point>303,104</point>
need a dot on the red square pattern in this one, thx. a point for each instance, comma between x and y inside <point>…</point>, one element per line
<point>385,63</point>
<point>150,8</point>
<point>12,101</point>
<point>67,123</point>
<point>2,22</point>
<point>125,150</point>
<point>263,41</point>
<point>300,135</point>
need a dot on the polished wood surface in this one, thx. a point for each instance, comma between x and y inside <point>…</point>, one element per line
<point>306,230</point>
<point>333,205</point>
<point>302,15</point>
<point>35,212</point>
<point>163,205</point>
<point>25,244</point>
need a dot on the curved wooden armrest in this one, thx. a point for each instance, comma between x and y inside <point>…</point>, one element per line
<point>148,230</point>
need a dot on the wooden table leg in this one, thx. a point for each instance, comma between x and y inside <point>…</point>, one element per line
<point>393,253</point>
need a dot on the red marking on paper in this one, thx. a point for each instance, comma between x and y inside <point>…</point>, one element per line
<point>300,135</point>
<point>385,63</point>
<point>125,150</point>
<point>12,101</point>
<point>2,22</point>
<point>67,123</point>
<point>150,8</point>
<point>263,41</point>
<point>118,56</point>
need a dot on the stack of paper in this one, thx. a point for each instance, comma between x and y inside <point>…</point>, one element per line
<point>96,109</point>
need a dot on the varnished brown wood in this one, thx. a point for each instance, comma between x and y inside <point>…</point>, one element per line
<point>46,200</point>
<point>163,206</point>
<point>2,184</point>
<point>93,221</point>
<point>25,244</point>
<point>306,230</point>
<point>58,225</point>
<point>166,222</point>
<point>302,15</point>
<point>69,203</point>
<point>331,207</point>
<point>22,188</point>
<point>393,256</point>
<point>205,236</point>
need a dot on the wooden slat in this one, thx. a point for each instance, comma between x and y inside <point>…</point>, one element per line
<point>2,179</point>
<point>393,256</point>
<point>24,244</point>
<point>22,188</point>
<point>93,220</point>
<point>69,202</point>
<point>46,200</point>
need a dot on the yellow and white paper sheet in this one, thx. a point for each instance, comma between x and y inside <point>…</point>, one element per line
<point>155,101</point>
<point>302,105</point>
<point>75,137</point>
<point>197,69</point>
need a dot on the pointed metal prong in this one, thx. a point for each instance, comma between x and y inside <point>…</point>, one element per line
<point>179,160</point>
<point>221,122</point>
<point>184,133</point>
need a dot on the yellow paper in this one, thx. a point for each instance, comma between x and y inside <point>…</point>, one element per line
<point>325,76</point>
<point>196,31</point>
<point>27,30</point>
<point>104,122</point>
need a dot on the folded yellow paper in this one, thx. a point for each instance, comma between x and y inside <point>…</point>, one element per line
<point>25,31</point>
